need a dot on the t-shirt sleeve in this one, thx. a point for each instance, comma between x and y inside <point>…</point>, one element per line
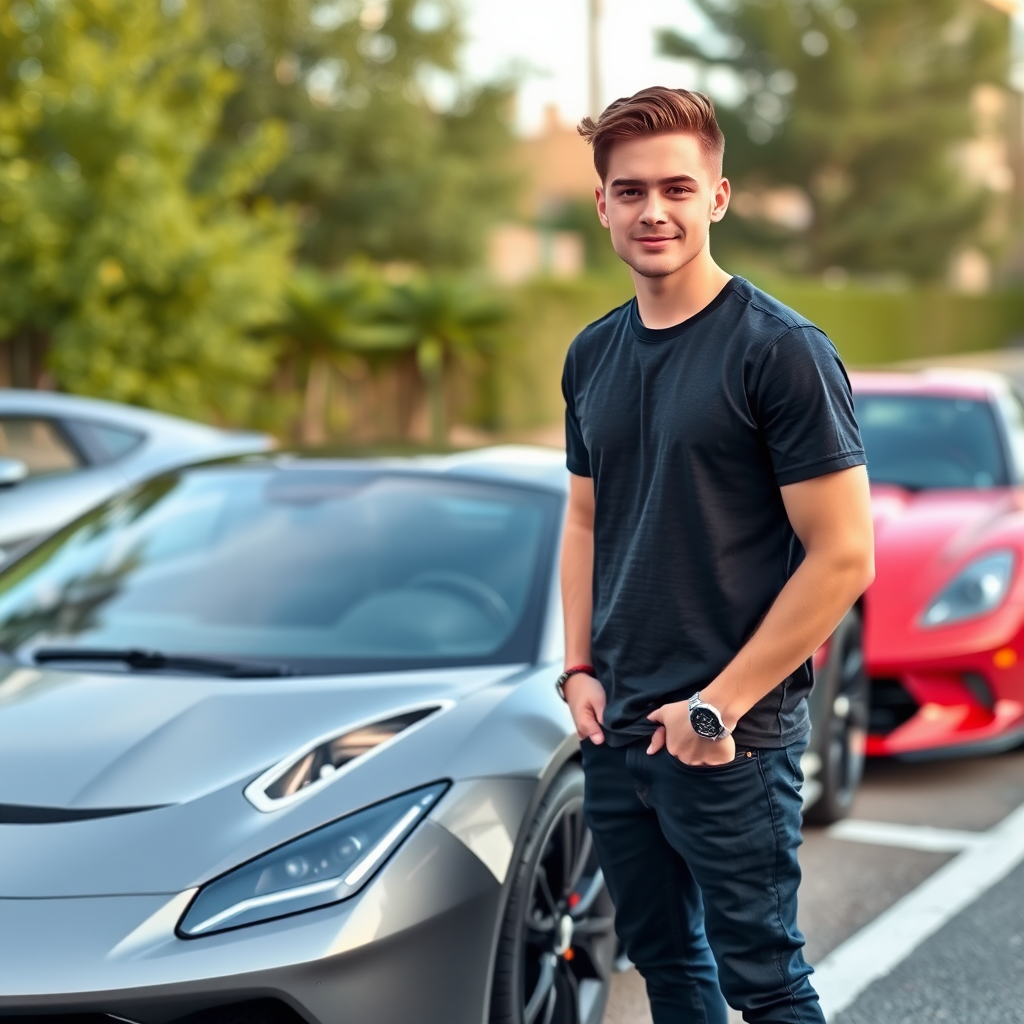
<point>577,458</point>
<point>804,408</point>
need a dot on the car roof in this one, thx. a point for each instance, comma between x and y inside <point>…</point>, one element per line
<point>27,402</point>
<point>526,465</point>
<point>980,385</point>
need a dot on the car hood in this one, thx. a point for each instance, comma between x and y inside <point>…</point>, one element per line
<point>922,540</point>
<point>155,766</point>
<point>82,741</point>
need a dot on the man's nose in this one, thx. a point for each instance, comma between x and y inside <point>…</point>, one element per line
<point>653,211</point>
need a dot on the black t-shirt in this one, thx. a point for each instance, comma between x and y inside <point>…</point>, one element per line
<point>689,432</point>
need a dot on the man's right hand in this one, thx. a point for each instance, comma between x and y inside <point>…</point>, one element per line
<point>586,699</point>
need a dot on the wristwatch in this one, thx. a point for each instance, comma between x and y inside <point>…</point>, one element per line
<point>564,677</point>
<point>706,720</point>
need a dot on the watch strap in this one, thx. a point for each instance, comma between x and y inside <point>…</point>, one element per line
<point>568,673</point>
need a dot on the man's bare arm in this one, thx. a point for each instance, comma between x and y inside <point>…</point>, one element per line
<point>584,694</point>
<point>832,517</point>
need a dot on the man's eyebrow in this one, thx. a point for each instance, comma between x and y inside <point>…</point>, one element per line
<point>634,182</point>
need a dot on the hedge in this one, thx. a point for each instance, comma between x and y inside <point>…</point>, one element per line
<point>869,325</point>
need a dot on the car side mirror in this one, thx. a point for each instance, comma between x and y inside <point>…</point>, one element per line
<point>12,471</point>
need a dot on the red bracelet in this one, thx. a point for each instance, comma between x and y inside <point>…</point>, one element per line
<point>589,669</point>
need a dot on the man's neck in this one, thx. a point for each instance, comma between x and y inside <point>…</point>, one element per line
<point>668,301</point>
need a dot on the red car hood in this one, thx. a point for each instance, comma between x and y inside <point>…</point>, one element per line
<point>922,540</point>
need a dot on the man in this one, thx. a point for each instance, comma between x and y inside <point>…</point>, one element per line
<point>718,529</point>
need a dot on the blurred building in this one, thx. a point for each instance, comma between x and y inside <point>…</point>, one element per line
<point>991,161</point>
<point>558,165</point>
<point>519,252</point>
<point>558,172</point>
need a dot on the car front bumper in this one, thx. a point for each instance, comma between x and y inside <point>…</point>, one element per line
<point>970,703</point>
<point>415,945</point>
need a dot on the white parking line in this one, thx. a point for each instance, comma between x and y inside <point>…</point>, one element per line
<point>912,837</point>
<point>875,950</point>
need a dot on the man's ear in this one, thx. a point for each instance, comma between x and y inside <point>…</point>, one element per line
<point>602,206</point>
<point>723,192</point>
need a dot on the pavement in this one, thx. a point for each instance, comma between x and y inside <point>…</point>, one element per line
<point>970,971</point>
<point>913,909</point>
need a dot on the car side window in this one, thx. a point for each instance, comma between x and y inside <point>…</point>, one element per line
<point>117,442</point>
<point>102,443</point>
<point>1013,415</point>
<point>38,443</point>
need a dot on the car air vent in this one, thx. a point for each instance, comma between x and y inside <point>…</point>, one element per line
<point>315,765</point>
<point>891,706</point>
<point>23,814</point>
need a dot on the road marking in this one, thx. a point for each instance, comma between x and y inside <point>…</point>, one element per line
<point>911,837</point>
<point>879,947</point>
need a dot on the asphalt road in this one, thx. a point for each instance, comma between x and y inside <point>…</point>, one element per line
<point>970,970</point>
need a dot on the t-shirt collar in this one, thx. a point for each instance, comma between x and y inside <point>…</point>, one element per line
<point>655,335</point>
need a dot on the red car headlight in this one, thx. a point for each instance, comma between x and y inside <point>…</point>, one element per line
<point>976,590</point>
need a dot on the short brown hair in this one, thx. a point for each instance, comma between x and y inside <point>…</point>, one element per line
<point>655,111</point>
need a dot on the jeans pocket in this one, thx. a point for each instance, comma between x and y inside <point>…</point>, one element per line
<point>742,757</point>
<point>794,755</point>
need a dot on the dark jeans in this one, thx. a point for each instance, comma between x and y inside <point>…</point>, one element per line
<point>701,865</point>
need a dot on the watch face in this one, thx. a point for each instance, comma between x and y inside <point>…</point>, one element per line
<point>705,723</point>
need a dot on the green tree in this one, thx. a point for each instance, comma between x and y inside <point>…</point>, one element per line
<point>451,322</point>
<point>375,167</point>
<point>862,105</point>
<point>139,276</point>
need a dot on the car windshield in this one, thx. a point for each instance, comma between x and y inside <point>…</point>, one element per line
<point>309,569</point>
<point>923,442</point>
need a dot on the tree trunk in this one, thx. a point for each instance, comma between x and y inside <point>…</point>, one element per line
<point>438,419</point>
<point>430,359</point>
<point>314,410</point>
<point>26,360</point>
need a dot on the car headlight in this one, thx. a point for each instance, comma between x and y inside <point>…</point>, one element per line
<point>976,590</point>
<point>319,868</point>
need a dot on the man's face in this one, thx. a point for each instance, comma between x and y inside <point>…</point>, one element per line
<point>659,199</point>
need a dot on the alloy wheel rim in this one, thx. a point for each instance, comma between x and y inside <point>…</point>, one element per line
<point>568,935</point>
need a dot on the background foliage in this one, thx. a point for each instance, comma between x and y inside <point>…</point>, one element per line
<point>132,280</point>
<point>870,326</point>
<point>860,104</point>
<point>273,212</point>
<point>163,166</point>
<point>374,166</point>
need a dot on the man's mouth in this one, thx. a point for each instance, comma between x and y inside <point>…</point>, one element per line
<point>655,239</point>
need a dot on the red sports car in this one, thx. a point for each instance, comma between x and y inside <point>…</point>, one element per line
<point>944,619</point>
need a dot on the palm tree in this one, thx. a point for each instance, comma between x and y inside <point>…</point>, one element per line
<point>449,321</point>
<point>330,319</point>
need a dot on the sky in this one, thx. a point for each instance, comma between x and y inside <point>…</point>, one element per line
<point>548,40</point>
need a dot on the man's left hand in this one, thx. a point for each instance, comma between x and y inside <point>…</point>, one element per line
<point>675,732</point>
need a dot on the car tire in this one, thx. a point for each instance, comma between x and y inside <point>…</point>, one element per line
<point>844,714</point>
<point>557,945</point>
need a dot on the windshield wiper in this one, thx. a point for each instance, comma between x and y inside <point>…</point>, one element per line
<point>147,661</point>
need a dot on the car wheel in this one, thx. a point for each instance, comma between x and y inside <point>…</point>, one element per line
<point>844,720</point>
<point>557,945</point>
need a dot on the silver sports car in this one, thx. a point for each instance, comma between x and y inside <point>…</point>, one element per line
<point>279,743</point>
<point>62,454</point>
